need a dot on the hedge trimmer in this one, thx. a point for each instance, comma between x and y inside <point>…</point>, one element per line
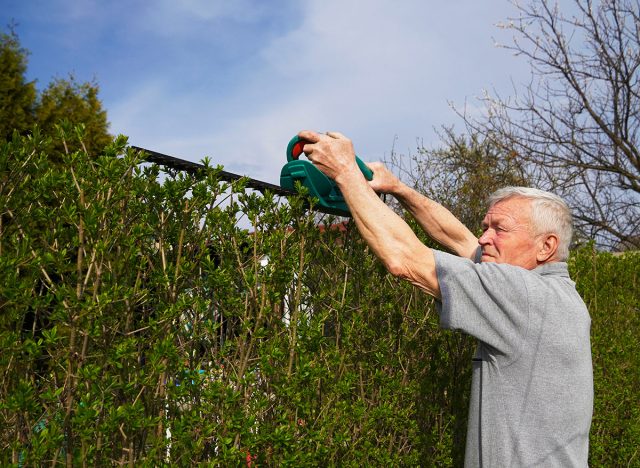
<point>321,188</point>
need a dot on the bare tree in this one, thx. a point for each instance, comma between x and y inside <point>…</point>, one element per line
<point>576,124</point>
<point>460,174</point>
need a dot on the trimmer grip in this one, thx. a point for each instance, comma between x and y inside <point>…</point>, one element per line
<point>295,149</point>
<point>368,173</point>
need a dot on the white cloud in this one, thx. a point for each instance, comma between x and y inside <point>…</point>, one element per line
<point>170,18</point>
<point>131,112</point>
<point>237,10</point>
<point>342,69</point>
<point>235,80</point>
<point>77,10</point>
<point>373,73</point>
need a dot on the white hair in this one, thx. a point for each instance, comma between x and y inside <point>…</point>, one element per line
<point>549,214</point>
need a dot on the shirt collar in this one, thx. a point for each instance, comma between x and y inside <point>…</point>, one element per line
<point>553,269</point>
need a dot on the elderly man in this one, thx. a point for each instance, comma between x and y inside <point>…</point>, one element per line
<point>532,385</point>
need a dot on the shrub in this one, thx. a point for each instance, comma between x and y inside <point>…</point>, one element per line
<point>609,285</point>
<point>140,323</point>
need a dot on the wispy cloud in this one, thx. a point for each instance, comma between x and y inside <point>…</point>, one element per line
<point>235,80</point>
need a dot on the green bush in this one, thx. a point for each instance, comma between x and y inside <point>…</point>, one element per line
<point>140,323</point>
<point>609,285</point>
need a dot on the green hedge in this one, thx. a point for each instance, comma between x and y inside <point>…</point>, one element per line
<point>610,286</point>
<point>140,323</point>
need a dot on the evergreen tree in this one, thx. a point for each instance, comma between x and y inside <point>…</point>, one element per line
<point>69,103</point>
<point>65,102</point>
<point>17,95</point>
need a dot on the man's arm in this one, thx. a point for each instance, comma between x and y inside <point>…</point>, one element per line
<point>390,238</point>
<point>438,222</point>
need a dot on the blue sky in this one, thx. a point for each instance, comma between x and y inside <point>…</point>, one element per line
<point>235,80</point>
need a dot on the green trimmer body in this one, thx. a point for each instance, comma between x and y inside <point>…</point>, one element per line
<point>322,188</point>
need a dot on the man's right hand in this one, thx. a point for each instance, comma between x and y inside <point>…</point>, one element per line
<point>384,181</point>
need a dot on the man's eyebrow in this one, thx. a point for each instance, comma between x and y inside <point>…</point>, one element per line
<point>494,219</point>
<point>498,220</point>
<point>502,217</point>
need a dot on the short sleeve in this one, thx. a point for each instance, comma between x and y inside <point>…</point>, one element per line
<point>486,300</point>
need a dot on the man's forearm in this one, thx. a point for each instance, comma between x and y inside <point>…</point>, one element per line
<point>438,222</point>
<point>390,238</point>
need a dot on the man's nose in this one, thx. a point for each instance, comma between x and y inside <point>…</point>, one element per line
<point>485,238</point>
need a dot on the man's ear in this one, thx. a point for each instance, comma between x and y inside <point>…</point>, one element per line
<point>547,248</point>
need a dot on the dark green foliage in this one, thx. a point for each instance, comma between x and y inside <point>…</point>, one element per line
<point>64,103</point>
<point>17,96</point>
<point>68,103</point>
<point>139,323</point>
<point>610,285</point>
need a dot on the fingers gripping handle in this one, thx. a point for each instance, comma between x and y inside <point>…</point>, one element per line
<point>295,149</point>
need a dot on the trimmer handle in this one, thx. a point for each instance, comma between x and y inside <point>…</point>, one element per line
<point>296,145</point>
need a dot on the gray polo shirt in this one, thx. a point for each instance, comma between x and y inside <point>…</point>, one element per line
<point>532,385</point>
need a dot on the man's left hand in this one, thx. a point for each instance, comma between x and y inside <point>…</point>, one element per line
<point>330,152</point>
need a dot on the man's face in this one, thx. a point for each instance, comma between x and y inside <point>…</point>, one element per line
<point>507,234</point>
